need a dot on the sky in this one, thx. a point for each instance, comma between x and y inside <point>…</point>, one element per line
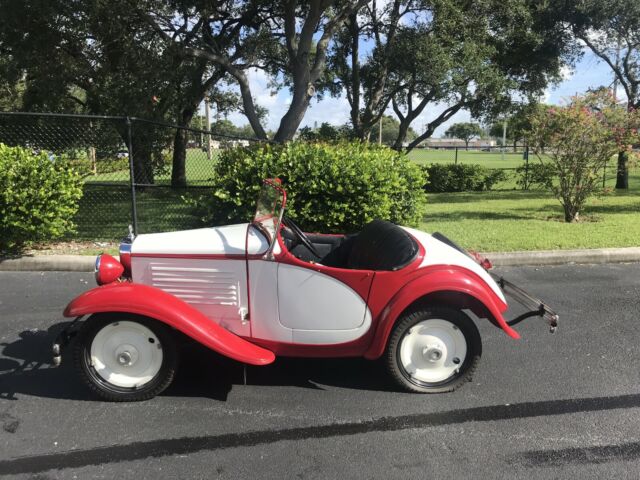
<point>589,72</point>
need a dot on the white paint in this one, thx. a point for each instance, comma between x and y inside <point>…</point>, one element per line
<point>263,285</point>
<point>318,308</point>
<point>439,253</point>
<point>226,240</point>
<point>126,354</point>
<point>433,350</point>
<point>218,288</point>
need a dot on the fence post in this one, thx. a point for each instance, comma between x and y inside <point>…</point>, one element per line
<point>604,174</point>
<point>526,167</point>
<point>132,181</point>
<point>456,161</point>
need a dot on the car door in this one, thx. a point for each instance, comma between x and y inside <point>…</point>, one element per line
<point>323,305</point>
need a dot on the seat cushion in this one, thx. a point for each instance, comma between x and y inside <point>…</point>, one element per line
<point>382,245</point>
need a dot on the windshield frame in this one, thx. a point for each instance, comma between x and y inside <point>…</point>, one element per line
<point>267,219</point>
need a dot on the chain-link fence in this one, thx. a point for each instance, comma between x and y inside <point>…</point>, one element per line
<point>134,171</point>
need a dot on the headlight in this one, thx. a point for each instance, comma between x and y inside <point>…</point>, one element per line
<point>107,269</point>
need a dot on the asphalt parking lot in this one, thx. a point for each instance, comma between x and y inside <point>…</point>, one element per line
<point>548,406</point>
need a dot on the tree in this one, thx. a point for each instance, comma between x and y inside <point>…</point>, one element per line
<point>286,38</point>
<point>465,55</point>
<point>518,124</point>
<point>611,29</point>
<point>464,131</point>
<point>578,140</point>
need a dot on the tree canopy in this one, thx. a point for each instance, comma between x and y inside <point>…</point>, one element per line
<point>465,131</point>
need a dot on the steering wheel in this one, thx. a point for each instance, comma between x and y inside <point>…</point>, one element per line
<point>300,234</point>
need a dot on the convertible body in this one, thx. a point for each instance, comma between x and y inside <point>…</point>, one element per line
<point>257,290</point>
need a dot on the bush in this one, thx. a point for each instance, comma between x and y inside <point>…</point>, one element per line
<point>461,177</point>
<point>38,197</point>
<point>330,187</point>
<point>535,174</point>
<point>579,139</point>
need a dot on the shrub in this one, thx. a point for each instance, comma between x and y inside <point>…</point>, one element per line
<point>579,139</point>
<point>330,187</point>
<point>535,174</point>
<point>38,197</point>
<point>461,177</point>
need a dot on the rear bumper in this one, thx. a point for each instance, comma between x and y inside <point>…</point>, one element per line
<point>535,306</point>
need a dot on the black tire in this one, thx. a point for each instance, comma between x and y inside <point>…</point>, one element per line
<point>419,314</point>
<point>114,393</point>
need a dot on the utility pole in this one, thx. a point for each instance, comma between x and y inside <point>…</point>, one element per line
<point>380,132</point>
<point>208,123</point>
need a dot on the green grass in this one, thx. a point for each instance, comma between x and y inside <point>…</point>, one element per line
<point>517,220</point>
<point>199,170</point>
<point>486,159</point>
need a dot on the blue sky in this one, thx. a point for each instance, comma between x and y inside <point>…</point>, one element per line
<point>588,73</point>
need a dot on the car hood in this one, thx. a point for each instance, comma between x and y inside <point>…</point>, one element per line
<point>226,240</point>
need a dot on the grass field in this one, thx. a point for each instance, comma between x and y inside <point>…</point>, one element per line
<point>491,159</point>
<point>517,220</point>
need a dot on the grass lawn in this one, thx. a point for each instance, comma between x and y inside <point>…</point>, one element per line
<point>516,220</point>
<point>486,159</point>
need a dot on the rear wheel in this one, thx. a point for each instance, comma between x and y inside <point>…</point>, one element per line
<point>124,357</point>
<point>433,350</point>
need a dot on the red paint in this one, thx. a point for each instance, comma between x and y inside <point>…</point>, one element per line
<point>152,302</point>
<point>438,278</point>
<point>355,348</point>
<point>109,270</point>
<point>125,260</point>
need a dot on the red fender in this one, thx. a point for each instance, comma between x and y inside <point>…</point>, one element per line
<point>443,279</point>
<point>152,302</point>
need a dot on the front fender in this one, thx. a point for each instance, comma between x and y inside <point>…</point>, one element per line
<point>152,302</point>
<point>443,279</point>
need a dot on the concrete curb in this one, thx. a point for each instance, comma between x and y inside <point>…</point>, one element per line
<point>85,263</point>
<point>564,257</point>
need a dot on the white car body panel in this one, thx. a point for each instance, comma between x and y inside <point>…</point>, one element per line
<point>318,308</point>
<point>263,285</point>
<point>227,240</point>
<point>218,288</point>
<point>439,253</point>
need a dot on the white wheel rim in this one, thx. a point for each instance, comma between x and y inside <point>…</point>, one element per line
<point>126,354</point>
<point>433,350</point>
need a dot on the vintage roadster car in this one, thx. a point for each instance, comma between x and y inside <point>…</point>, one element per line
<point>263,289</point>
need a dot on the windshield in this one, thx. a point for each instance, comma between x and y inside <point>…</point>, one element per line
<point>271,202</point>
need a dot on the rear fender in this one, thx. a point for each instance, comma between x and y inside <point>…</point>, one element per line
<point>446,281</point>
<point>152,302</point>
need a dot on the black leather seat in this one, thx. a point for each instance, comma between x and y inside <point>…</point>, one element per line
<point>381,245</point>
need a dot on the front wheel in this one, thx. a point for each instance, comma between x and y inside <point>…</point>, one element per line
<point>124,357</point>
<point>433,350</point>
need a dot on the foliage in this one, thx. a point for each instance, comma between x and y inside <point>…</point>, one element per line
<point>518,123</point>
<point>326,133</point>
<point>330,187</point>
<point>580,139</point>
<point>461,177</point>
<point>535,174</point>
<point>38,197</point>
<point>464,131</point>
<point>611,30</point>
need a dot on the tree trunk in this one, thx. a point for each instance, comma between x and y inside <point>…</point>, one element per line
<point>142,162</point>
<point>299,104</point>
<point>405,123</point>
<point>179,162</point>
<point>622,175</point>
<point>466,145</point>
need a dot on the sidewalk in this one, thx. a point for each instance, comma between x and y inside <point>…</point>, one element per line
<point>85,263</point>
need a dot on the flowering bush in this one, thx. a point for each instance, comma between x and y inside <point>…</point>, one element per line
<point>579,139</point>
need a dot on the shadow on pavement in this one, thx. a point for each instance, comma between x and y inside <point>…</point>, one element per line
<point>26,368</point>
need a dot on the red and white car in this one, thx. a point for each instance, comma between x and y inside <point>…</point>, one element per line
<point>263,289</point>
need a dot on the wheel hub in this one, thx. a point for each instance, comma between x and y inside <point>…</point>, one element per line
<point>432,350</point>
<point>126,354</point>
